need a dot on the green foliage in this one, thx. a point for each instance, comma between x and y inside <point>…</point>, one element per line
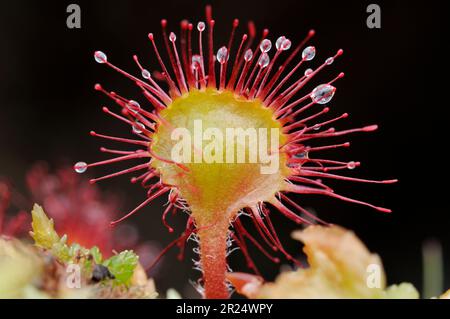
<point>122,265</point>
<point>96,254</point>
<point>404,290</point>
<point>43,233</point>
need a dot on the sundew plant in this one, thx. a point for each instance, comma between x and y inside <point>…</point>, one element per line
<point>226,128</point>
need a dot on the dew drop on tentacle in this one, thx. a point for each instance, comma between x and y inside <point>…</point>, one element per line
<point>265,45</point>
<point>283,43</point>
<point>172,37</point>
<point>138,127</point>
<point>302,155</point>
<point>100,57</point>
<point>329,61</point>
<point>222,55</point>
<point>133,106</point>
<point>323,93</point>
<point>263,60</point>
<point>279,42</point>
<point>146,74</point>
<point>196,59</point>
<point>196,62</point>
<point>286,45</point>
<point>248,55</point>
<point>80,167</point>
<point>309,53</point>
<point>351,165</point>
<point>201,26</point>
<point>308,72</point>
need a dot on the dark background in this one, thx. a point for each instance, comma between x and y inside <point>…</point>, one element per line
<point>48,106</point>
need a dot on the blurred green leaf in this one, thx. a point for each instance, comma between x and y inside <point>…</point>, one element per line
<point>122,266</point>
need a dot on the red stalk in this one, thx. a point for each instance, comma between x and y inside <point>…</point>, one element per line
<point>213,246</point>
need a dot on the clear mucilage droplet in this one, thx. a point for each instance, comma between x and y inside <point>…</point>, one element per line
<point>196,62</point>
<point>309,53</point>
<point>286,45</point>
<point>308,72</point>
<point>222,55</point>
<point>196,59</point>
<point>201,26</point>
<point>138,127</point>
<point>283,44</point>
<point>301,155</point>
<point>80,167</point>
<point>323,93</point>
<point>279,42</point>
<point>351,165</point>
<point>133,106</point>
<point>265,45</point>
<point>100,57</point>
<point>172,37</point>
<point>263,60</point>
<point>146,74</point>
<point>248,55</point>
<point>329,61</point>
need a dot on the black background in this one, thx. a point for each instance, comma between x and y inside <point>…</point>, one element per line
<point>48,106</point>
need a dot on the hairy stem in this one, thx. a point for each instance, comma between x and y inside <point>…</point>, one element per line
<point>213,249</point>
